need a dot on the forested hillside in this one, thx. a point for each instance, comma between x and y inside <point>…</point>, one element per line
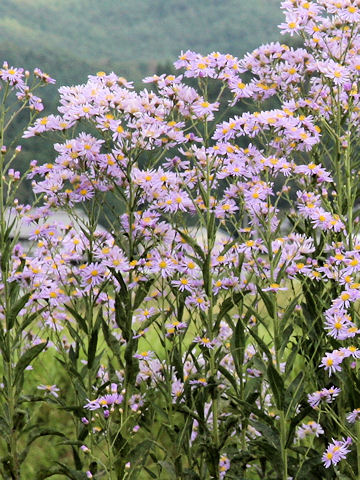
<point>71,38</point>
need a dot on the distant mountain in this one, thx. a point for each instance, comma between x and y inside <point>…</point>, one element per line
<point>71,38</point>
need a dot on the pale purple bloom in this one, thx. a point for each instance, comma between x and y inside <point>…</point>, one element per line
<point>336,451</point>
<point>310,428</point>
<point>353,416</point>
<point>51,389</point>
<point>327,395</point>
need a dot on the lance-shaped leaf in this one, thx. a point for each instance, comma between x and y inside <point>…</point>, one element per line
<point>228,304</point>
<point>30,318</point>
<point>68,472</point>
<point>237,344</point>
<point>268,300</point>
<point>190,241</point>
<point>264,348</point>
<point>288,312</point>
<point>94,339</point>
<point>14,311</point>
<point>132,364</point>
<point>121,317</point>
<point>295,421</point>
<point>141,292</point>
<point>4,347</point>
<point>80,320</point>
<point>294,392</point>
<point>205,272</point>
<point>35,434</point>
<point>277,385</point>
<point>270,433</point>
<point>285,337</point>
<point>26,359</point>
<point>92,348</point>
<point>112,342</point>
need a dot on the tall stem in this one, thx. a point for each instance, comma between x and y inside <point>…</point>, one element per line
<point>358,447</point>
<point>349,199</point>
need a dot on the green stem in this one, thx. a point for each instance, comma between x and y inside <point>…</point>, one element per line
<point>358,447</point>
<point>11,400</point>
<point>283,436</point>
<point>349,200</point>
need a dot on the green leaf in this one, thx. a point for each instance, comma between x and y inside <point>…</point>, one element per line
<point>75,443</point>
<point>132,364</point>
<point>228,304</point>
<point>307,468</point>
<point>288,312</point>
<point>203,194</point>
<point>80,320</point>
<point>205,272</point>
<point>19,305</point>
<point>74,354</point>
<point>212,230</point>
<point>252,388</point>
<point>291,359</point>
<point>269,433</point>
<point>197,249</point>
<point>4,348</point>
<point>72,474</point>
<point>295,421</point>
<point>252,408</point>
<point>5,256</point>
<point>168,467</point>
<point>121,317</point>
<point>112,342</point>
<point>264,348</point>
<point>232,380</point>
<point>152,474</point>
<point>149,321</point>
<point>141,293</point>
<point>26,359</point>
<point>178,363</point>
<point>92,348</point>
<point>49,472</point>
<point>123,288</point>
<point>268,299</point>
<point>277,385</point>
<point>285,336</point>
<point>94,340</point>
<point>259,318</point>
<point>35,434</point>
<point>74,334</point>
<point>139,453</point>
<point>30,318</point>
<point>4,424</point>
<point>295,391</point>
<point>99,319</point>
<point>237,344</point>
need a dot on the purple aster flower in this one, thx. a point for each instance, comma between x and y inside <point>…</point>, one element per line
<point>224,465</point>
<point>204,342</point>
<point>51,389</point>
<point>336,451</point>
<point>327,395</point>
<point>146,355</point>
<point>353,416</point>
<point>310,428</point>
<point>200,381</point>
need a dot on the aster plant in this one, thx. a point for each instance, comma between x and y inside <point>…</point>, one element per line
<point>199,331</point>
<point>21,342</point>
